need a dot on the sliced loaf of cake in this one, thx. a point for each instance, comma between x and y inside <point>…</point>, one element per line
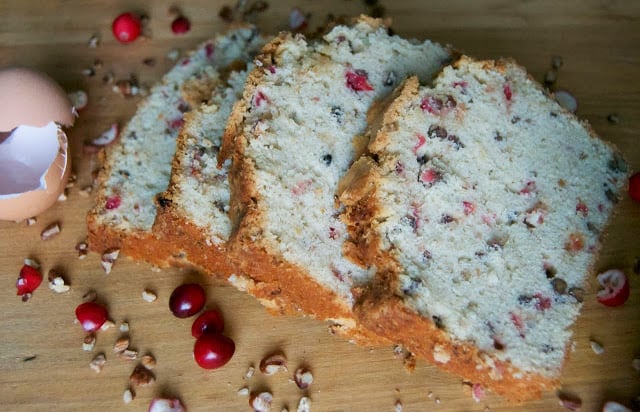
<point>291,138</point>
<point>480,206</point>
<point>193,211</point>
<point>137,167</point>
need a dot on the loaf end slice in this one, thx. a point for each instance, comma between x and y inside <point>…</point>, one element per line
<point>482,205</point>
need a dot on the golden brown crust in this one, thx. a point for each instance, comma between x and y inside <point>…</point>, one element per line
<point>386,314</point>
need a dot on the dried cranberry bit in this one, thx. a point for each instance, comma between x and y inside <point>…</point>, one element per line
<point>616,288</point>
<point>421,141</point>
<point>582,209</point>
<point>358,80</point>
<point>574,244</point>
<point>91,316</point>
<point>529,187</point>
<point>431,104</point>
<point>634,187</point>
<point>429,177</point>
<point>28,280</point>
<point>260,98</point>
<point>126,27</point>
<point>180,25</point>
<point>112,202</point>
<point>213,350</point>
<point>518,323</point>
<point>176,124</point>
<point>209,49</point>
<point>506,90</point>
<point>333,233</point>
<point>468,207</point>
<point>542,302</point>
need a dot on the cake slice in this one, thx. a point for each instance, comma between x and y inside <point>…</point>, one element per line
<point>193,211</point>
<point>137,167</point>
<point>480,205</point>
<point>291,138</point>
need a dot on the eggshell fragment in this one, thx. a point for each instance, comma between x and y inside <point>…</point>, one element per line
<point>28,97</point>
<point>34,160</point>
<point>34,168</point>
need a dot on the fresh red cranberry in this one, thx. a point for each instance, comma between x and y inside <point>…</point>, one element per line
<point>180,25</point>
<point>634,187</point>
<point>28,280</point>
<point>506,89</point>
<point>126,27</point>
<point>616,288</point>
<point>213,350</point>
<point>187,300</point>
<point>358,81</point>
<point>209,321</point>
<point>91,315</point>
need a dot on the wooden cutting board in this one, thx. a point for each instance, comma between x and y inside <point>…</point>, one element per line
<point>42,364</point>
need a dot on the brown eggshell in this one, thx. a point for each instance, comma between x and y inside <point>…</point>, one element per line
<point>29,97</point>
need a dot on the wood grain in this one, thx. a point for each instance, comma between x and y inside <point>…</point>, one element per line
<point>598,42</point>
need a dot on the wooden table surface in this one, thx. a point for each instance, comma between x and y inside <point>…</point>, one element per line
<point>42,364</point>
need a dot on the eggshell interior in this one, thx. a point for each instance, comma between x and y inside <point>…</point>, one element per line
<point>34,168</point>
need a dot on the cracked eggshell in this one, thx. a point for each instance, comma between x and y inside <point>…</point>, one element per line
<point>34,151</point>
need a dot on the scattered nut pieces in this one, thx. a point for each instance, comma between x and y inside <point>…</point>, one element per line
<point>124,327</point>
<point>128,396</point>
<point>397,406</point>
<point>94,41</point>
<point>83,249</point>
<point>303,378</point>
<point>250,371</point>
<point>304,405</point>
<point>85,191</point>
<point>63,196</point>
<point>556,62</point>
<point>107,325</point>
<point>32,221</point>
<point>569,401</point>
<point>98,363</point>
<point>613,118</point>
<point>88,72</point>
<point>108,259</point>
<point>149,61</point>
<point>566,100</point>
<point>409,362</point>
<point>173,55</point>
<point>612,406</point>
<point>635,364</point>
<point>32,262</point>
<point>261,402</point>
<point>244,391</point>
<point>89,342</point>
<point>57,282</point>
<point>128,354</point>
<point>149,296</point>
<point>550,77</point>
<point>50,231</point>
<point>89,296</point>
<point>141,376</point>
<point>121,344</point>
<point>148,361</point>
<point>596,347</point>
<point>273,363</point>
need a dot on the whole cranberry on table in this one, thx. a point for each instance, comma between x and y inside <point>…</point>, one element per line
<point>127,27</point>
<point>186,300</point>
<point>209,321</point>
<point>615,288</point>
<point>28,280</point>
<point>213,350</point>
<point>180,25</point>
<point>91,316</point>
